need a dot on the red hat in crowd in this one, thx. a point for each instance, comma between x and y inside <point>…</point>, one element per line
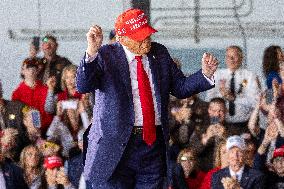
<point>52,162</point>
<point>133,23</point>
<point>278,152</point>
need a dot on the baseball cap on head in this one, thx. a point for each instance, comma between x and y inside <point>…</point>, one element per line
<point>133,23</point>
<point>278,152</point>
<point>235,141</point>
<point>52,162</point>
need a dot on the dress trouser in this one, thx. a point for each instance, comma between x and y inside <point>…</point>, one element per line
<point>141,166</point>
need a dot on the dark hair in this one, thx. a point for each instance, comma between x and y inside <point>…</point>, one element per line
<point>218,100</point>
<point>270,61</point>
<point>31,62</point>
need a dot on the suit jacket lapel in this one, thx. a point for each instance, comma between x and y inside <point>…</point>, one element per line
<point>123,68</point>
<point>245,177</point>
<point>154,66</point>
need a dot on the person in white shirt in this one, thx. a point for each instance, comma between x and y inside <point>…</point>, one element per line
<point>238,86</point>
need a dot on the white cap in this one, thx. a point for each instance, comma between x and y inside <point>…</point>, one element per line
<point>235,141</point>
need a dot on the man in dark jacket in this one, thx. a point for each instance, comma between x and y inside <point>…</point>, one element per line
<point>53,63</point>
<point>132,80</point>
<point>237,175</point>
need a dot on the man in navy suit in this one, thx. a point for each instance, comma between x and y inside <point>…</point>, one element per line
<point>132,80</point>
<point>237,175</point>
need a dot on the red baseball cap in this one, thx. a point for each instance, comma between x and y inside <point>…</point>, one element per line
<point>52,162</point>
<point>133,23</point>
<point>278,152</point>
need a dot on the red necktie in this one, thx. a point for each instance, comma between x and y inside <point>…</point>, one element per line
<point>147,104</point>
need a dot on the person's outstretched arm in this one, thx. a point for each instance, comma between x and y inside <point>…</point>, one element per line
<point>91,66</point>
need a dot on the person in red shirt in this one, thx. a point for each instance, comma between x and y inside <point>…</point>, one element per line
<point>33,92</point>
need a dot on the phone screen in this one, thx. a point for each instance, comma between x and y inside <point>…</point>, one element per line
<point>36,119</point>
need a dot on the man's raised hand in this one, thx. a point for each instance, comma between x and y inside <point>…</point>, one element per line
<point>209,64</point>
<point>95,39</point>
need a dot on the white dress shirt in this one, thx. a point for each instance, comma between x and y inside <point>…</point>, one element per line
<point>244,101</point>
<point>138,117</point>
<point>2,180</point>
<point>238,174</point>
<point>132,62</point>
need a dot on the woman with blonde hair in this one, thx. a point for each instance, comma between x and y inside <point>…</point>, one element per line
<point>220,162</point>
<point>69,98</point>
<point>31,163</point>
<point>70,107</point>
<point>68,88</point>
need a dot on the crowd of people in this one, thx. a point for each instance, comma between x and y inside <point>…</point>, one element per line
<point>42,125</point>
<point>232,139</point>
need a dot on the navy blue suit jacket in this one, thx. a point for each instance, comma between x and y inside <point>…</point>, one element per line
<point>108,77</point>
<point>13,175</point>
<point>251,178</point>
